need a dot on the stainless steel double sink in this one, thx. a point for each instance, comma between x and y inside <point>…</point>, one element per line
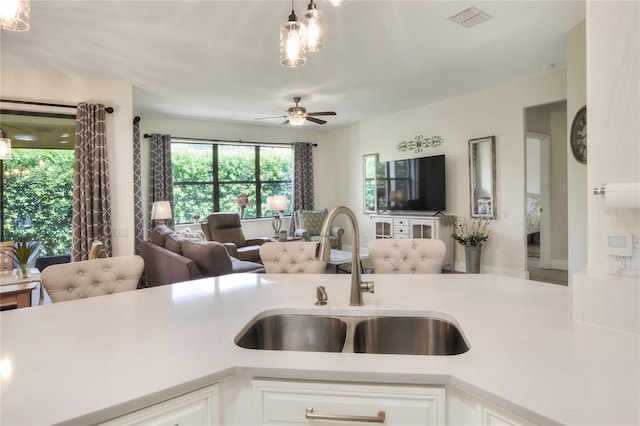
<point>405,335</point>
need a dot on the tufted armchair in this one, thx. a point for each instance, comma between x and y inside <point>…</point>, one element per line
<point>406,256</point>
<point>308,224</point>
<point>88,278</point>
<point>226,228</point>
<point>291,258</point>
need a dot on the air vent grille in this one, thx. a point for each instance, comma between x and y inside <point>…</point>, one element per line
<point>470,17</point>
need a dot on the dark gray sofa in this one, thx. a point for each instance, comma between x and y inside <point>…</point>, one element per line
<point>170,258</point>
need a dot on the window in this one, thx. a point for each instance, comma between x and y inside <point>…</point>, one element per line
<point>216,177</point>
<point>36,185</point>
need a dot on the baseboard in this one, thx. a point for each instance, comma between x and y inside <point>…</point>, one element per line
<point>485,269</point>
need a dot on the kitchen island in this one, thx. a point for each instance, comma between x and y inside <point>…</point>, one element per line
<point>88,361</point>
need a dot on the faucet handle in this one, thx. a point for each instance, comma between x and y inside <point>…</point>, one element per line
<point>321,296</point>
<point>367,286</point>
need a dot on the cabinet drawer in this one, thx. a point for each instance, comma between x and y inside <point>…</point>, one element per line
<point>401,230</point>
<point>401,222</point>
<point>281,402</point>
<point>195,408</point>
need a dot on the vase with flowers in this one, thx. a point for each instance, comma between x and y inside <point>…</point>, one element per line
<point>243,201</point>
<point>472,233</point>
<point>22,250</point>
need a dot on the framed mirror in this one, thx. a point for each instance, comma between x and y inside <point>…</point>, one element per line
<point>482,176</point>
<point>369,179</point>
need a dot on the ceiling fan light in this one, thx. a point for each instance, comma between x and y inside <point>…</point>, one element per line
<point>312,19</point>
<point>14,15</point>
<point>297,120</point>
<point>292,44</point>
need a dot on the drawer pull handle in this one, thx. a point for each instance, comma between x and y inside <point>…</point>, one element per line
<point>346,418</point>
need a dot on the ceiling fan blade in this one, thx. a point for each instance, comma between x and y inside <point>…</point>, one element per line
<point>268,118</point>
<point>315,120</point>
<point>322,113</point>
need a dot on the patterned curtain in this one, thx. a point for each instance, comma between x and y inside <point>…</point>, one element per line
<point>91,191</point>
<point>138,220</point>
<point>302,179</point>
<point>160,175</point>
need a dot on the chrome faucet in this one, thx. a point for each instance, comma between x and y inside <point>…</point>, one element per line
<point>324,253</point>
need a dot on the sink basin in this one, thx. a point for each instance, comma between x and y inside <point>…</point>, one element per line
<point>293,332</point>
<point>408,336</point>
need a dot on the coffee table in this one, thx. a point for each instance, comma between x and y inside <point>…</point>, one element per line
<point>341,259</point>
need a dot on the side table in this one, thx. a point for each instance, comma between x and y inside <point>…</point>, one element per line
<point>18,292</point>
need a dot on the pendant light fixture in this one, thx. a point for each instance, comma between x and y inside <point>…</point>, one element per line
<point>312,19</point>
<point>14,15</point>
<point>334,2</point>
<point>292,42</point>
<point>5,146</point>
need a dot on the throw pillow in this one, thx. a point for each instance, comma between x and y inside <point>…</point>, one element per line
<point>193,235</point>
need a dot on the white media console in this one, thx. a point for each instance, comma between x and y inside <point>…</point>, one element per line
<point>413,226</point>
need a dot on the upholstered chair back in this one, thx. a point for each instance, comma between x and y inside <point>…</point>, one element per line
<point>89,278</point>
<point>311,220</point>
<point>291,258</point>
<point>224,228</point>
<point>407,256</point>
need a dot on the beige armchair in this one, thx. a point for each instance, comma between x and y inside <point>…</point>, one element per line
<point>406,256</point>
<point>89,278</point>
<point>291,258</point>
<point>308,224</point>
<point>226,228</point>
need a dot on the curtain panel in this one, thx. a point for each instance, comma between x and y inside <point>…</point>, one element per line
<point>138,218</point>
<point>91,187</point>
<point>302,179</point>
<point>160,173</point>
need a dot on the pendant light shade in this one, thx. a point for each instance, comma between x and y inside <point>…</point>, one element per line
<point>312,18</point>
<point>292,42</point>
<point>5,146</point>
<point>14,15</point>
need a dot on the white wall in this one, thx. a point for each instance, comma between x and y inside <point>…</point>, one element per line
<point>576,173</point>
<point>499,112</point>
<point>33,86</point>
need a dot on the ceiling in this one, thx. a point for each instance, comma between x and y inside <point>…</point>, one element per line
<point>219,60</point>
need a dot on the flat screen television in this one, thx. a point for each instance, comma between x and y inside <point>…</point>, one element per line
<point>414,184</point>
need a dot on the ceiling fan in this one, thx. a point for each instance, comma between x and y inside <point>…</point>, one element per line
<point>298,115</point>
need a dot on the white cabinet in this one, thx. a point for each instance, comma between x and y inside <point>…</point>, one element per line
<point>278,402</point>
<point>438,227</point>
<point>464,409</point>
<point>200,407</point>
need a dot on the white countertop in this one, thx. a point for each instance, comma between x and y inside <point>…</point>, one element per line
<point>96,358</point>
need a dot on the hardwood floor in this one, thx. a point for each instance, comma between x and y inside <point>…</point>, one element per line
<point>553,276</point>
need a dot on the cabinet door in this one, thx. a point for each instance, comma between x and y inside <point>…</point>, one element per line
<point>195,408</point>
<point>293,403</point>
<point>381,228</point>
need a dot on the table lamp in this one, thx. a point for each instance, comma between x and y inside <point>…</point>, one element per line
<point>160,210</point>
<point>277,203</point>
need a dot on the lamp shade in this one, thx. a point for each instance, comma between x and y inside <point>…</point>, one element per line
<point>161,210</point>
<point>14,15</point>
<point>312,19</point>
<point>5,146</point>
<point>296,120</point>
<point>277,203</point>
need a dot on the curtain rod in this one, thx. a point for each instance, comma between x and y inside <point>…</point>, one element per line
<point>240,141</point>
<point>108,109</point>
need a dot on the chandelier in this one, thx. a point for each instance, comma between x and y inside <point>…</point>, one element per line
<point>14,15</point>
<point>299,37</point>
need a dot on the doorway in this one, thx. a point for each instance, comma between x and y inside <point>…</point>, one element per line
<point>546,234</point>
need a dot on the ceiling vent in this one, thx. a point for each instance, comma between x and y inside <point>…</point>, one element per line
<point>469,17</point>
